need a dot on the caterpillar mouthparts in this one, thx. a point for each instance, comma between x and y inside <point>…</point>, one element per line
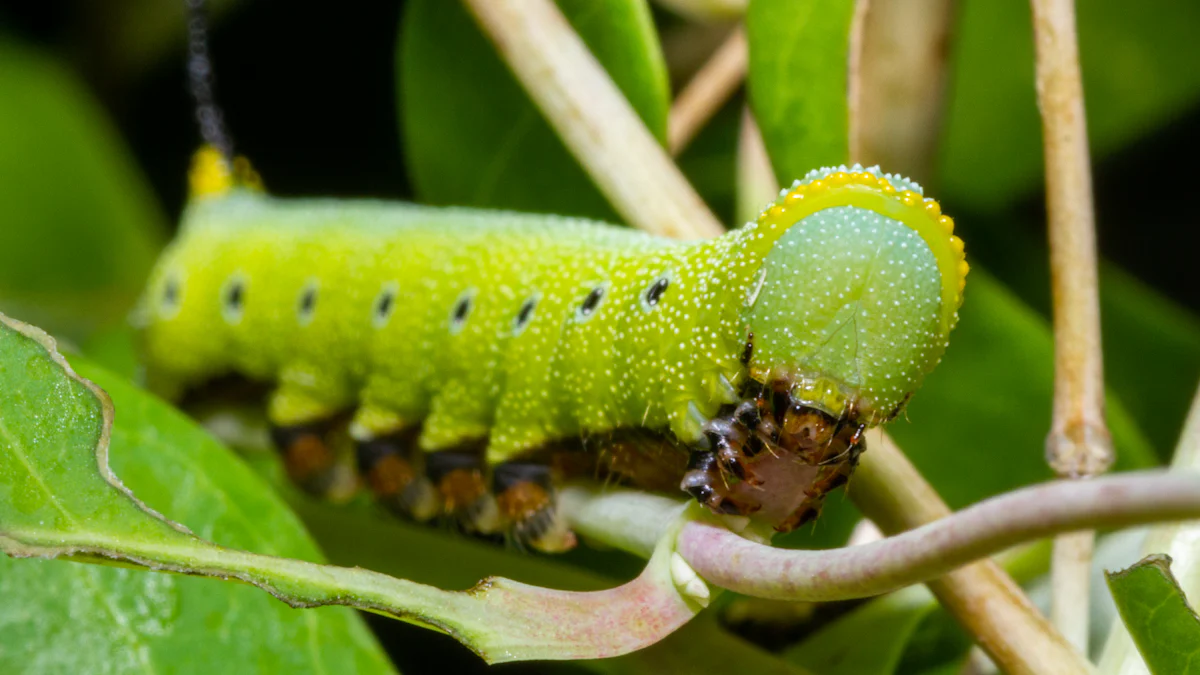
<point>774,456</point>
<point>459,363</point>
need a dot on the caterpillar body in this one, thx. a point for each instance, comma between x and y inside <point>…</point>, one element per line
<point>480,356</point>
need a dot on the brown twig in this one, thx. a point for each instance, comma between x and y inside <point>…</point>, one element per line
<point>1079,443</point>
<point>903,74</point>
<point>756,183</point>
<point>593,118</point>
<point>707,91</point>
<point>985,600</point>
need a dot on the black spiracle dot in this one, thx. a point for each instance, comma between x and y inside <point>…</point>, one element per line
<point>462,309</point>
<point>656,290</point>
<point>170,293</point>
<point>525,314</point>
<point>308,302</point>
<point>235,296</point>
<point>592,301</point>
<point>383,306</point>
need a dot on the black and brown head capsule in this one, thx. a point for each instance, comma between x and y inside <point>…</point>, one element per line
<point>774,455</point>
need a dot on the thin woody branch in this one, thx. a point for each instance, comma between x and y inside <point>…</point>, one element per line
<point>593,118</point>
<point>756,183</point>
<point>707,91</point>
<point>900,96</point>
<point>1079,444</point>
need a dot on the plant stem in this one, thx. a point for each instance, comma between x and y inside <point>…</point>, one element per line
<point>707,91</point>
<point>1079,444</point>
<point>1070,584</point>
<point>985,600</point>
<point>899,100</point>
<point>629,520</point>
<point>756,183</point>
<point>593,118</point>
<point>932,550</point>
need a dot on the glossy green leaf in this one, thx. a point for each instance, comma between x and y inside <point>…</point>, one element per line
<point>837,649</point>
<point>909,631</point>
<point>59,498</point>
<point>474,138</point>
<point>58,616</point>
<point>797,81</point>
<point>1164,626</point>
<point>1151,344</point>
<point>1132,80</point>
<point>80,226</point>
<point>978,425</point>
<point>1151,355</point>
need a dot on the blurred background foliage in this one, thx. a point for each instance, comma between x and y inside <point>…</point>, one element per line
<point>407,100</point>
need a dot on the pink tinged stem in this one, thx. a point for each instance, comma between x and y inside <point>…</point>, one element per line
<point>567,625</point>
<point>930,551</point>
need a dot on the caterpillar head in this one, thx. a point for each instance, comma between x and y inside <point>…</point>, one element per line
<point>854,302</point>
<point>853,282</point>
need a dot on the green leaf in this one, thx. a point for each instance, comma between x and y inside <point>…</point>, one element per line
<point>1151,345</point>
<point>1132,79</point>
<point>797,81</point>
<point>910,632</point>
<point>978,425</point>
<point>62,617</point>
<point>58,498</point>
<point>1164,627</point>
<point>82,228</point>
<point>891,621</point>
<point>1151,354</point>
<point>474,138</point>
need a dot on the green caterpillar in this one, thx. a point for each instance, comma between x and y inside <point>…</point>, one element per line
<point>486,354</point>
